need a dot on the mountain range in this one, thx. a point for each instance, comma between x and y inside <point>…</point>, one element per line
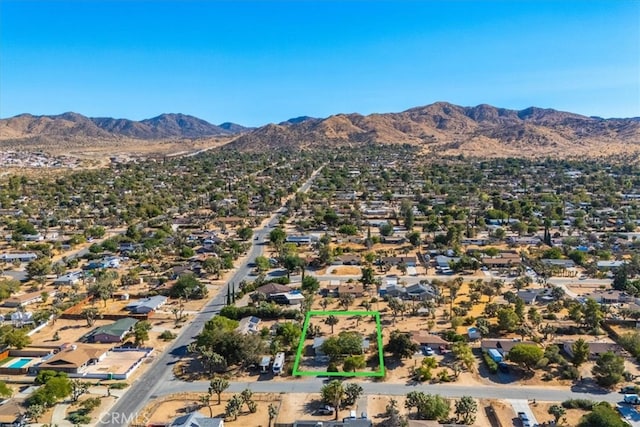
<point>438,128</point>
<point>74,125</point>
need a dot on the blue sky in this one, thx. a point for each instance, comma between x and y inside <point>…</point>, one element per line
<point>264,61</point>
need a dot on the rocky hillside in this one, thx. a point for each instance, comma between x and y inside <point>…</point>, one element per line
<point>451,129</point>
<point>73,126</point>
<point>439,128</point>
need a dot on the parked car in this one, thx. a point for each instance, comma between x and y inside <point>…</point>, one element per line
<point>524,420</point>
<point>503,367</point>
<point>630,389</point>
<point>633,399</point>
<point>428,351</point>
<point>325,410</point>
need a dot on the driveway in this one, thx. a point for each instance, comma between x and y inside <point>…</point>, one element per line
<point>522,405</point>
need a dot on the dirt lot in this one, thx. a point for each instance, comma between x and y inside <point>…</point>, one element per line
<point>540,411</point>
<point>178,405</point>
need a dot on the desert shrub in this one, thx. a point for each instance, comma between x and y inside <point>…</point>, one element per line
<point>491,365</point>
<point>118,386</point>
<point>78,418</point>
<point>584,404</point>
<point>167,335</point>
<point>569,372</point>
<point>542,363</point>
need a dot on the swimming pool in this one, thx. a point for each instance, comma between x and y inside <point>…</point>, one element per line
<point>19,363</point>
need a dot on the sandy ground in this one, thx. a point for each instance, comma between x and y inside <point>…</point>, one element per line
<point>178,405</point>
<point>540,411</point>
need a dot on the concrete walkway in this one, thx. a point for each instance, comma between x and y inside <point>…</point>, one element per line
<point>59,415</point>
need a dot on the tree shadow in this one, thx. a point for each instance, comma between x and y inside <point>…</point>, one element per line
<point>588,385</point>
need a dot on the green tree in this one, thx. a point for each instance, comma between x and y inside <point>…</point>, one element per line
<point>333,394</point>
<point>5,390</point>
<point>15,338</point>
<point>592,314</point>
<point>234,405</point>
<point>580,350</point>
<point>331,321</point>
<point>78,388</point>
<point>90,314</point>
<point>141,332</point>
<point>609,369</point>
<point>367,276</point>
<point>602,415</point>
<point>245,233</point>
<point>218,385</point>
<point>466,409</point>
<point>507,319</point>
<point>39,268</point>
<point>273,413</point>
<point>277,236</point>
<point>35,411</point>
<point>353,363</point>
<point>526,355</point>
<point>401,345</point>
<point>262,264</point>
<point>557,411</point>
<point>429,406</point>
<point>189,287</point>
<point>352,392</point>
<point>310,284</point>
<point>346,300</point>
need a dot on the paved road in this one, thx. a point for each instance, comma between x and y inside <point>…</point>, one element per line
<point>154,381</point>
<point>313,385</point>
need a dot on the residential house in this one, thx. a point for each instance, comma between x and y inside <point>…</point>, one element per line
<point>348,259</point>
<point>535,296</point>
<point>146,305</point>
<point>196,419</point>
<point>113,333</point>
<point>562,263</point>
<point>68,279</point>
<point>424,338</point>
<point>444,262</point>
<point>409,261</point>
<point>610,296</point>
<point>503,260</point>
<point>393,290</point>
<point>249,325</point>
<point>609,265</point>
<point>72,359</point>
<point>299,240</point>
<point>287,298</point>
<point>12,411</point>
<point>108,262</point>
<point>21,318</point>
<point>421,291</point>
<point>271,289</point>
<point>24,299</point>
<point>337,290</point>
<point>596,348</point>
<point>18,256</point>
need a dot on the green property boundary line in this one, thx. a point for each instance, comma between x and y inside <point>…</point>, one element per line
<point>296,364</point>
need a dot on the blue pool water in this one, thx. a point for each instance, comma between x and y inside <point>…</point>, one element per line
<point>19,363</point>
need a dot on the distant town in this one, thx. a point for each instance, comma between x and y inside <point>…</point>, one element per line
<point>377,286</point>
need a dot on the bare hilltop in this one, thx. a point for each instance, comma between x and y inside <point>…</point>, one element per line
<point>439,128</point>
